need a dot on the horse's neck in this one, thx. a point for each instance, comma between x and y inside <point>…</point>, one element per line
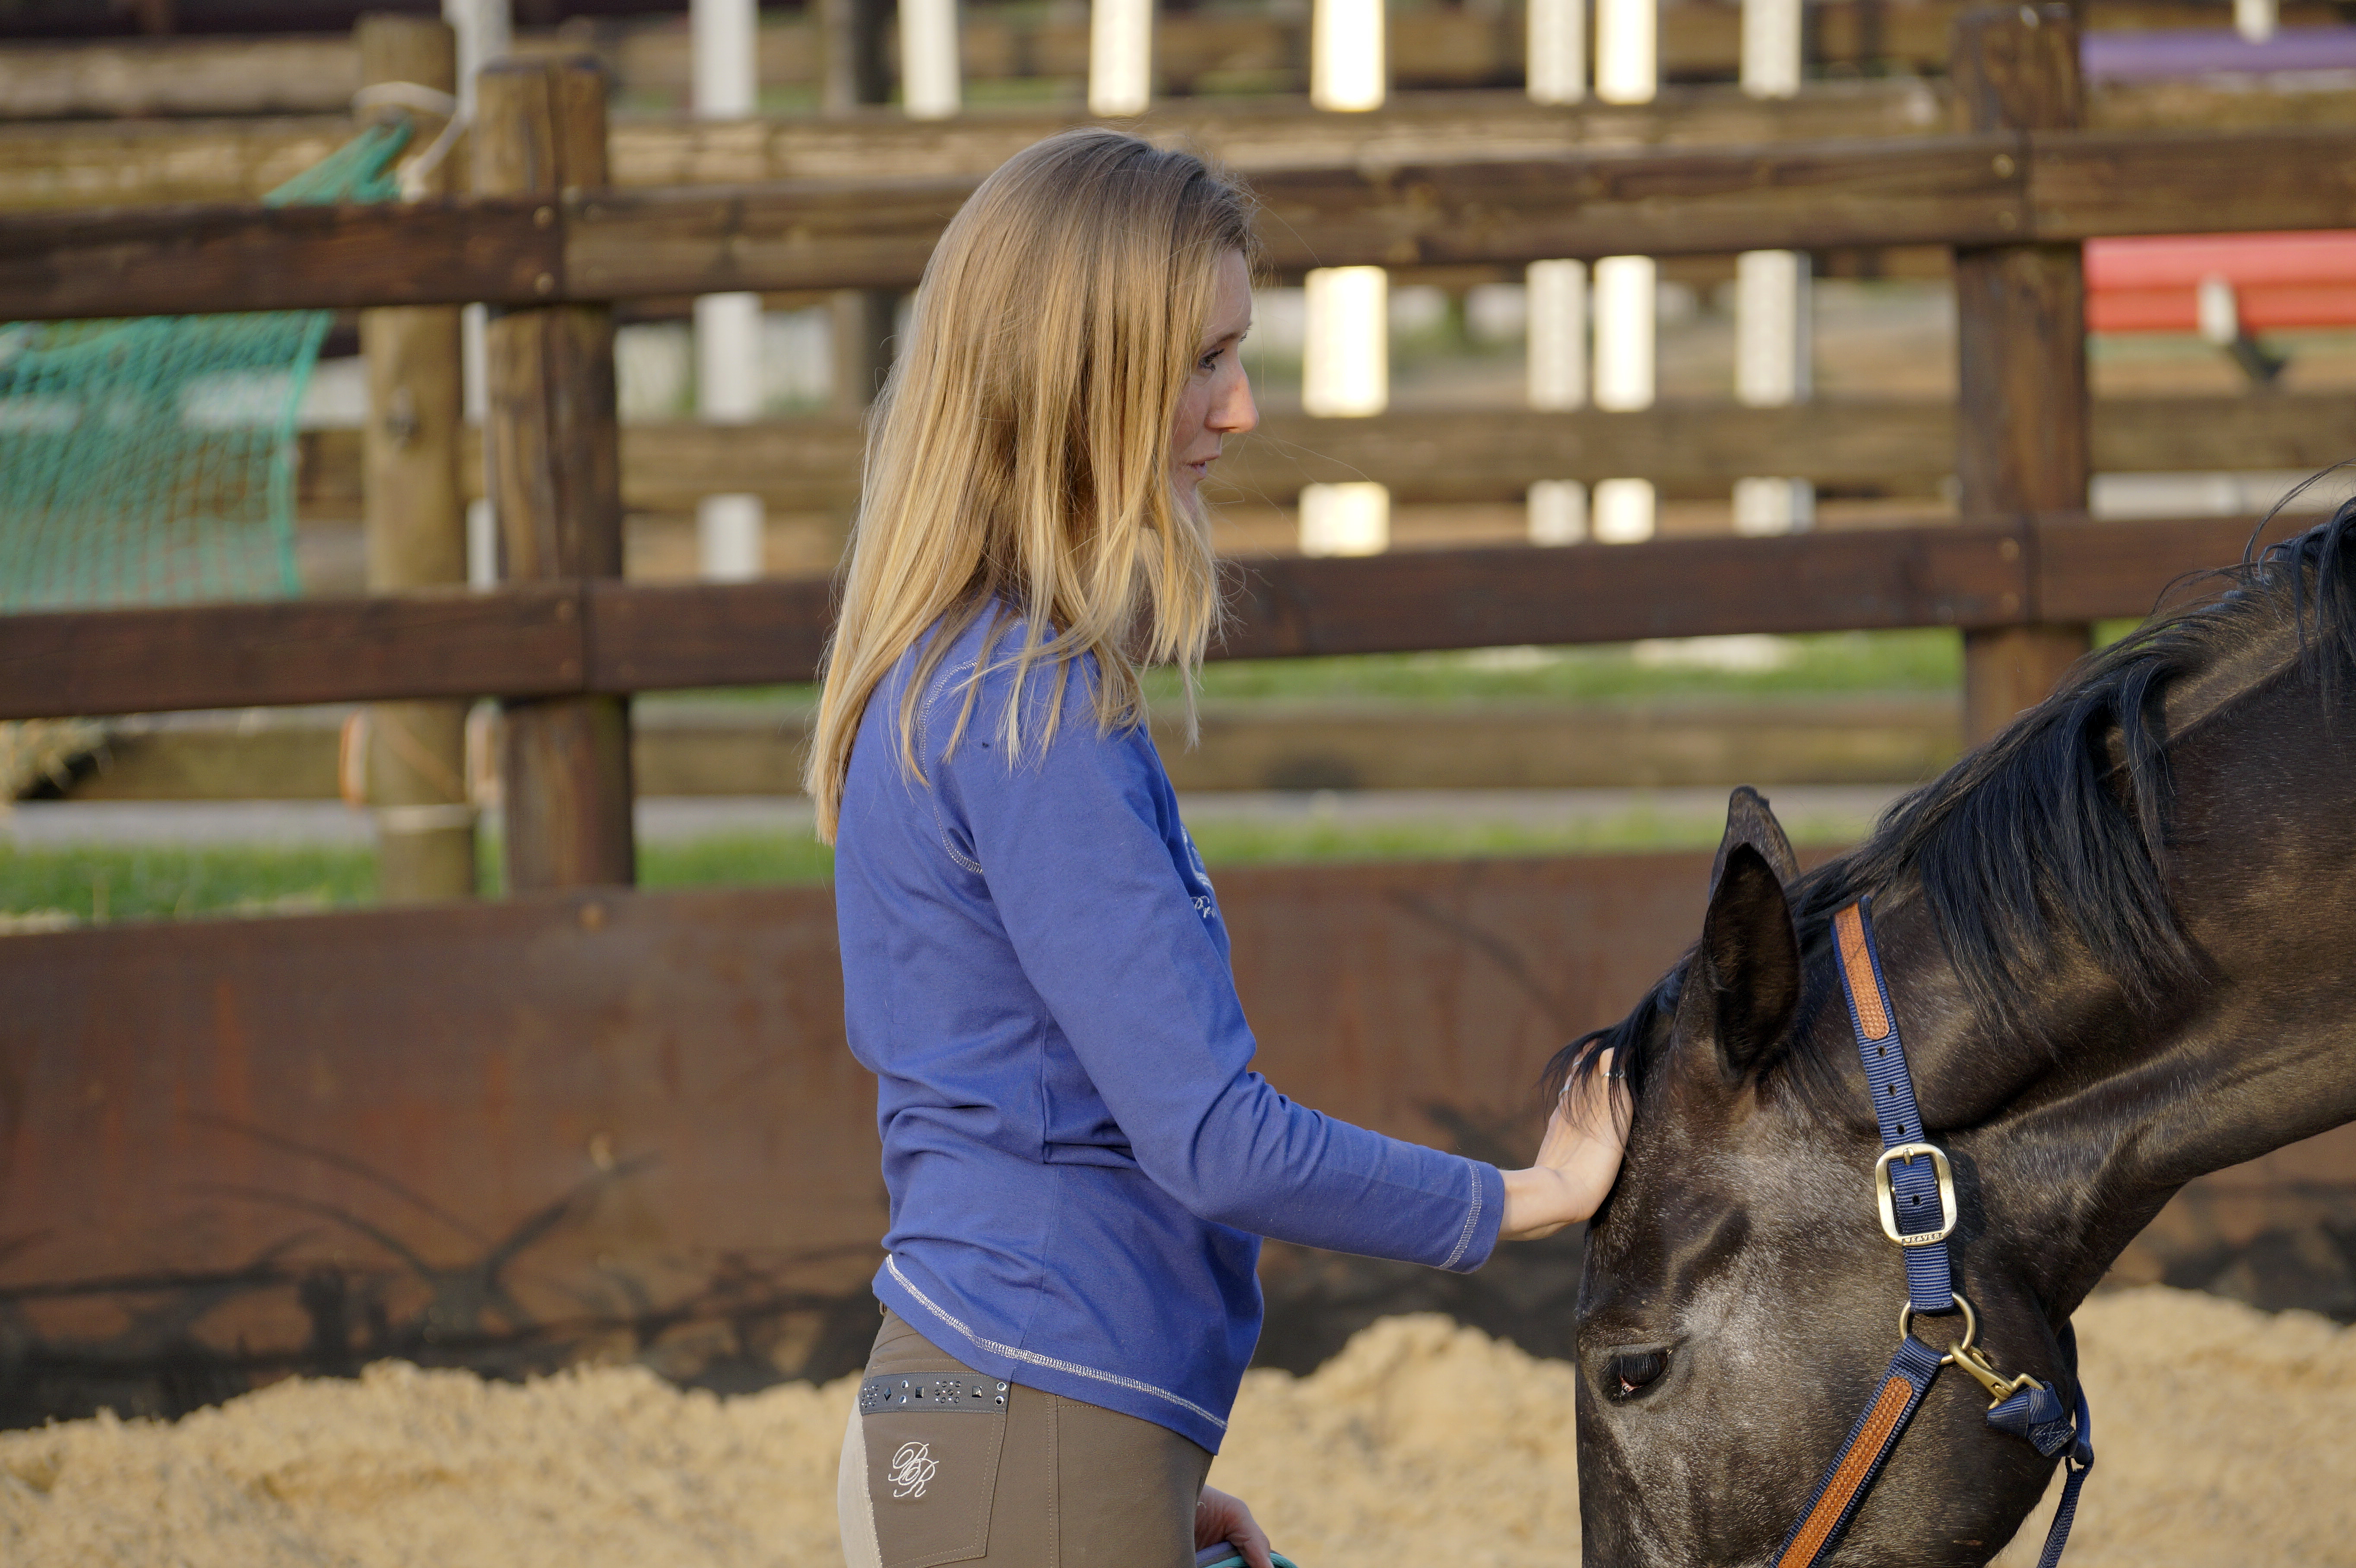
<point>2263,877</point>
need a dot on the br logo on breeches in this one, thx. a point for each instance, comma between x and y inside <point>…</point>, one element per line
<point>912,1469</point>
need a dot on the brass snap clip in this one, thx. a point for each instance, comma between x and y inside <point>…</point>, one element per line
<point>1972,1360</point>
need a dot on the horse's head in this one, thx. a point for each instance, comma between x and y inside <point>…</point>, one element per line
<point>1741,1300</point>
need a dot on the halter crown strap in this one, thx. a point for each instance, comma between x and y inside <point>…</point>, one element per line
<point>1921,1195</point>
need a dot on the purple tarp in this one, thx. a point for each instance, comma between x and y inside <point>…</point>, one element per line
<point>2207,52</point>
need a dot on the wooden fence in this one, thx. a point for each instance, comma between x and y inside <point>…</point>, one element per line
<point>590,1119</point>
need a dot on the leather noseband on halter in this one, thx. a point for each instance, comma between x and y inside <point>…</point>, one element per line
<point>1915,1190</point>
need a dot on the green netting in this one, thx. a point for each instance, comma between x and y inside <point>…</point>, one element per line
<point>152,460</point>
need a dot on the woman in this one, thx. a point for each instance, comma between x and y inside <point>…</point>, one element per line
<point>1081,1163</point>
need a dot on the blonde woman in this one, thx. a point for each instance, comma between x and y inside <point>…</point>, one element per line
<point>1080,1160</point>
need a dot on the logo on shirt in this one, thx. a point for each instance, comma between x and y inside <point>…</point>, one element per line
<point>1204,903</point>
<point>913,1469</point>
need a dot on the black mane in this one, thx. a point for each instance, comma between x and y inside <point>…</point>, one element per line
<point>2055,833</point>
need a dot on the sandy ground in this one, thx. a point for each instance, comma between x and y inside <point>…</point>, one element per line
<point>2226,1436</point>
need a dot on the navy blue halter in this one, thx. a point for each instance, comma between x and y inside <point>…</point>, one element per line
<point>1914,1190</point>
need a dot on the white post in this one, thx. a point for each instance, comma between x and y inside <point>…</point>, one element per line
<point>1346,374</point>
<point>1554,293</point>
<point>2256,19</point>
<point>1772,290</point>
<point>1627,71</point>
<point>1556,333</point>
<point>931,83</point>
<point>1626,288</point>
<point>485,31</point>
<point>1346,64</point>
<point>1627,57</point>
<point>1771,370</point>
<point>474,387</point>
<point>1771,47</point>
<point>1353,519</point>
<point>1558,51</point>
<point>1557,293</point>
<point>725,42</point>
<point>1345,347</point>
<point>729,529</point>
<point>1120,57</point>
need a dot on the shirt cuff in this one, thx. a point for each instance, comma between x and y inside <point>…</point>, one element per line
<point>1485,1211</point>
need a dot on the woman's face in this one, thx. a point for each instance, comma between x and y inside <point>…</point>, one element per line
<point>1217,401</point>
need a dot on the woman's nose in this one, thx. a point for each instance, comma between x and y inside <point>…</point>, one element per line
<point>1233,412</point>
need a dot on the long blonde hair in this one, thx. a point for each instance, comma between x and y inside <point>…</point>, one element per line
<point>1019,452</point>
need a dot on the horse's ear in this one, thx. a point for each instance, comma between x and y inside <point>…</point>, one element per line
<point>1747,966</point>
<point>1749,820</point>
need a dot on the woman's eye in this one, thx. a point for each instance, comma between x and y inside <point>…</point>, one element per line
<point>1209,362</point>
<point>1633,1374</point>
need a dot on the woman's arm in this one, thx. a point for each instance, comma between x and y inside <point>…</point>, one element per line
<point>1136,976</point>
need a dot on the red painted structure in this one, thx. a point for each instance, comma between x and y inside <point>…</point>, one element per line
<point>2153,284</point>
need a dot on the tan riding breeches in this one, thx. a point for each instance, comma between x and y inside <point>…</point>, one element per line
<point>1043,1482</point>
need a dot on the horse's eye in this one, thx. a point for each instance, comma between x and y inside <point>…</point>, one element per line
<point>1635,1371</point>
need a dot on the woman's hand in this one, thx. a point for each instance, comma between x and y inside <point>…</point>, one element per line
<point>1576,1163</point>
<point>1218,1517</point>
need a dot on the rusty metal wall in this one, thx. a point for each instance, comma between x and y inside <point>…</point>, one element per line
<point>516,1134</point>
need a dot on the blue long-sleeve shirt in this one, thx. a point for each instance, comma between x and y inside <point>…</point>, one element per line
<point>1080,1159</point>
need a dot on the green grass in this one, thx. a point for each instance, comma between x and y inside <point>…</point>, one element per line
<point>734,859</point>
<point>91,885</point>
<point>1636,831</point>
<point>1928,662</point>
<point>100,884</point>
<point>1829,664</point>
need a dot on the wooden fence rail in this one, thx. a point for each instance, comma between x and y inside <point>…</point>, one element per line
<point>133,163</point>
<point>594,636</point>
<point>1430,48</point>
<point>1997,188</point>
<point>810,462</point>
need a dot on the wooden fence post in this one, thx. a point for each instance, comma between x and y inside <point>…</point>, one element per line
<point>851,69</point>
<point>414,514</point>
<point>550,465</point>
<point>2021,427</point>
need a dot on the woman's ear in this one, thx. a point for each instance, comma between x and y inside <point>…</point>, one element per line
<point>1744,985</point>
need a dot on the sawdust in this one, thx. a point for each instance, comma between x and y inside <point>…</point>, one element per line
<point>2227,1435</point>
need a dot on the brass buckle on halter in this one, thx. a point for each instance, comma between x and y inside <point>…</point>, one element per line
<point>1970,1358</point>
<point>1883,1196</point>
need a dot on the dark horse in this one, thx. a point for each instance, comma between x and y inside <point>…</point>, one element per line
<point>2121,940</point>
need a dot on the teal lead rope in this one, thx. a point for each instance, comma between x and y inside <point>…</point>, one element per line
<point>1236,1559</point>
